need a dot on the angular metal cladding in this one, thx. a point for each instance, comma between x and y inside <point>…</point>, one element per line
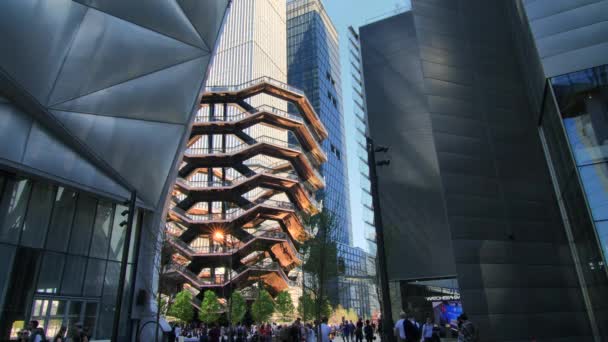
<point>143,60</point>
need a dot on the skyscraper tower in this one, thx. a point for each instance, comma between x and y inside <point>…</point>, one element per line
<point>314,66</point>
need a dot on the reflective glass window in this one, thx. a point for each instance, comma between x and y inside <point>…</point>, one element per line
<point>38,215</point>
<point>108,302</point>
<point>118,234</point>
<point>93,281</point>
<point>49,276</point>
<point>7,254</point>
<point>83,225</point>
<point>61,220</point>
<point>595,182</point>
<point>101,230</point>
<point>12,209</point>
<point>583,100</point>
<point>73,275</point>
<point>582,97</point>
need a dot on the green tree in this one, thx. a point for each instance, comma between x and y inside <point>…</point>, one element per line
<point>284,306</point>
<point>182,306</point>
<point>262,307</point>
<point>210,308</point>
<point>307,306</point>
<point>321,260</point>
<point>238,307</point>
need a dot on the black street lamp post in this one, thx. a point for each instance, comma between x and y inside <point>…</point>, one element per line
<point>387,322</point>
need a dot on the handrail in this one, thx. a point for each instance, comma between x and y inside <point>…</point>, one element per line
<point>243,145</point>
<point>271,81</point>
<point>263,79</point>
<point>236,212</point>
<point>226,249</point>
<point>220,279</point>
<point>234,181</point>
<point>257,110</point>
<point>264,139</point>
<point>206,184</point>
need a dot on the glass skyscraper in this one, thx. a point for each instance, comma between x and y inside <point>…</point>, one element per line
<point>313,65</point>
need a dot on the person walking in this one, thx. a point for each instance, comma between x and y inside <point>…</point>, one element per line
<point>346,332</point>
<point>359,331</point>
<point>204,334</point>
<point>310,333</point>
<point>368,331</point>
<point>214,333</point>
<point>325,330</point>
<point>60,336</point>
<point>427,330</point>
<point>467,331</point>
<point>400,327</point>
<point>36,333</point>
<point>412,332</point>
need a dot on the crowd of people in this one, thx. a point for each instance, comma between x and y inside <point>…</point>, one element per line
<point>407,329</point>
<point>35,333</point>
<point>298,331</point>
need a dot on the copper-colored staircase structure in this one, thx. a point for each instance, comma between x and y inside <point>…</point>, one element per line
<point>234,218</point>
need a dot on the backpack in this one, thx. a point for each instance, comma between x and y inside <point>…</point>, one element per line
<point>411,331</point>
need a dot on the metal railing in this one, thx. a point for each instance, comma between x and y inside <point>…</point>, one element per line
<point>260,109</point>
<point>212,250</point>
<point>173,229</point>
<point>257,81</point>
<point>221,279</point>
<point>243,145</point>
<point>264,139</point>
<point>232,213</point>
<point>239,179</point>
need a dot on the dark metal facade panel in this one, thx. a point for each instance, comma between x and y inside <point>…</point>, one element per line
<point>485,158</point>
<point>569,35</point>
<point>411,200</point>
<point>491,266</point>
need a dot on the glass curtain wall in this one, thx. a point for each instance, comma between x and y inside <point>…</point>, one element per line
<point>61,252</point>
<point>583,100</point>
<point>574,130</point>
<point>314,66</point>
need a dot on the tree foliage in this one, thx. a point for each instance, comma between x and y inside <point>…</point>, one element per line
<point>238,307</point>
<point>307,306</point>
<point>182,307</point>
<point>284,306</point>
<point>321,263</point>
<point>211,309</point>
<point>262,307</point>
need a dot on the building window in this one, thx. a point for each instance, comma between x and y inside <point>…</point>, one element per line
<point>583,103</point>
<point>67,271</point>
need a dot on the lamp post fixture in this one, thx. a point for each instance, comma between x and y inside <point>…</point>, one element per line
<point>220,237</point>
<point>387,322</point>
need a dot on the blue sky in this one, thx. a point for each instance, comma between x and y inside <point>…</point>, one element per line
<point>355,13</point>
